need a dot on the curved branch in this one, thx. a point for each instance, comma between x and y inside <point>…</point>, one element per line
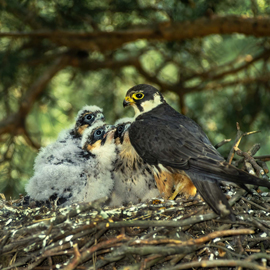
<point>14,123</point>
<point>168,31</point>
<point>87,64</point>
<point>210,74</point>
<point>217,86</point>
<point>219,263</point>
<point>151,78</point>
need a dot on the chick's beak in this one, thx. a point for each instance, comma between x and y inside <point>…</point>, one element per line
<point>108,128</point>
<point>127,101</point>
<point>101,117</point>
<point>110,136</point>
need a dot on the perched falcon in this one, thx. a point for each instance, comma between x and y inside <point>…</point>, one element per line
<point>59,166</point>
<point>174,145</point>
<point>133,180</point>
<point>99,142</point>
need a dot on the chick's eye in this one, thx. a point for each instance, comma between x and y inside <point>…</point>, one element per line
<point>98,132</point>
<point>120,129</point>
<point>89,116</point>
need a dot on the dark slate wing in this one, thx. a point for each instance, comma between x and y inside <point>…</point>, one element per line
<point>191,126</point>
<point>158,141</point>
<point>163,136</point>
<point>173,146</point>
<point>160,138</point>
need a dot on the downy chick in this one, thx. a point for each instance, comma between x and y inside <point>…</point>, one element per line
<point>134,181</point>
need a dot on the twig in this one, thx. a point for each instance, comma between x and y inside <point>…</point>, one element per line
<point>249,159</point>
<point>222,143</point>
<point>255,204</point>
<point>253,250</point>
<point>145,264</point>
<point>252,151</point>
<point>226,250</point>
<point>88,253</point>
<point>237,140</point>
<point>263,158</point>
<point>219,263</point>
<point>257,256</point>
<point>237,196</point>
<point>263,165</point>
<point>240,134</point>
<point>192,242</point>
<point>260,226</point>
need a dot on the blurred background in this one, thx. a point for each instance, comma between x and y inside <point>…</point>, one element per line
<point>209,58</point>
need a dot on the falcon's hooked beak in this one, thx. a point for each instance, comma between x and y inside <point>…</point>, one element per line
<point>128,101</point>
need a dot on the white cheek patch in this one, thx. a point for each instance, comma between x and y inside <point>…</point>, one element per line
<point>148,105</point>
<point>136,110</point>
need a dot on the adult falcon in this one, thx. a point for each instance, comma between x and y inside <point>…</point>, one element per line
<point>176,146</point>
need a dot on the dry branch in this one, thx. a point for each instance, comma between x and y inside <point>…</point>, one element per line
<point>220,263</point>
<point>222,143</point>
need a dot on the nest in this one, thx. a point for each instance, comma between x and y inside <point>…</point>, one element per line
<point>177,234</point>
<point>160,234</point>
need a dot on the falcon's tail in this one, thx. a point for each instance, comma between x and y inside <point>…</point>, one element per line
<point>227,172</point>
<point>213,195</point>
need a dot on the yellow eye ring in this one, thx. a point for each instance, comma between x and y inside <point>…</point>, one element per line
<point>138,96</point>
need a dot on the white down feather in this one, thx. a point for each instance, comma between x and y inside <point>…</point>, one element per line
<point>59,168</point>
<point>99,174</point>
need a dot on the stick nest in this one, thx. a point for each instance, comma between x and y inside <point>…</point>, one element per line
<point>180,234</point>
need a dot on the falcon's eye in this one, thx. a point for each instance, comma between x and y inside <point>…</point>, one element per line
<point>138,96</point>
<point>99,134</point>
<point>89,116</point>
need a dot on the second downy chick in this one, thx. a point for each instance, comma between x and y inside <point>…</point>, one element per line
<point>98,140</point>
<point>134,181</point>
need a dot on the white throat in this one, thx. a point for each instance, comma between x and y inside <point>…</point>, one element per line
<point>148,105</point>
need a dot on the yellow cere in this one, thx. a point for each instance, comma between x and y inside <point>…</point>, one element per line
<point>128,99</point>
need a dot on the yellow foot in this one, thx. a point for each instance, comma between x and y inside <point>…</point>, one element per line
<point>176,192</point>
